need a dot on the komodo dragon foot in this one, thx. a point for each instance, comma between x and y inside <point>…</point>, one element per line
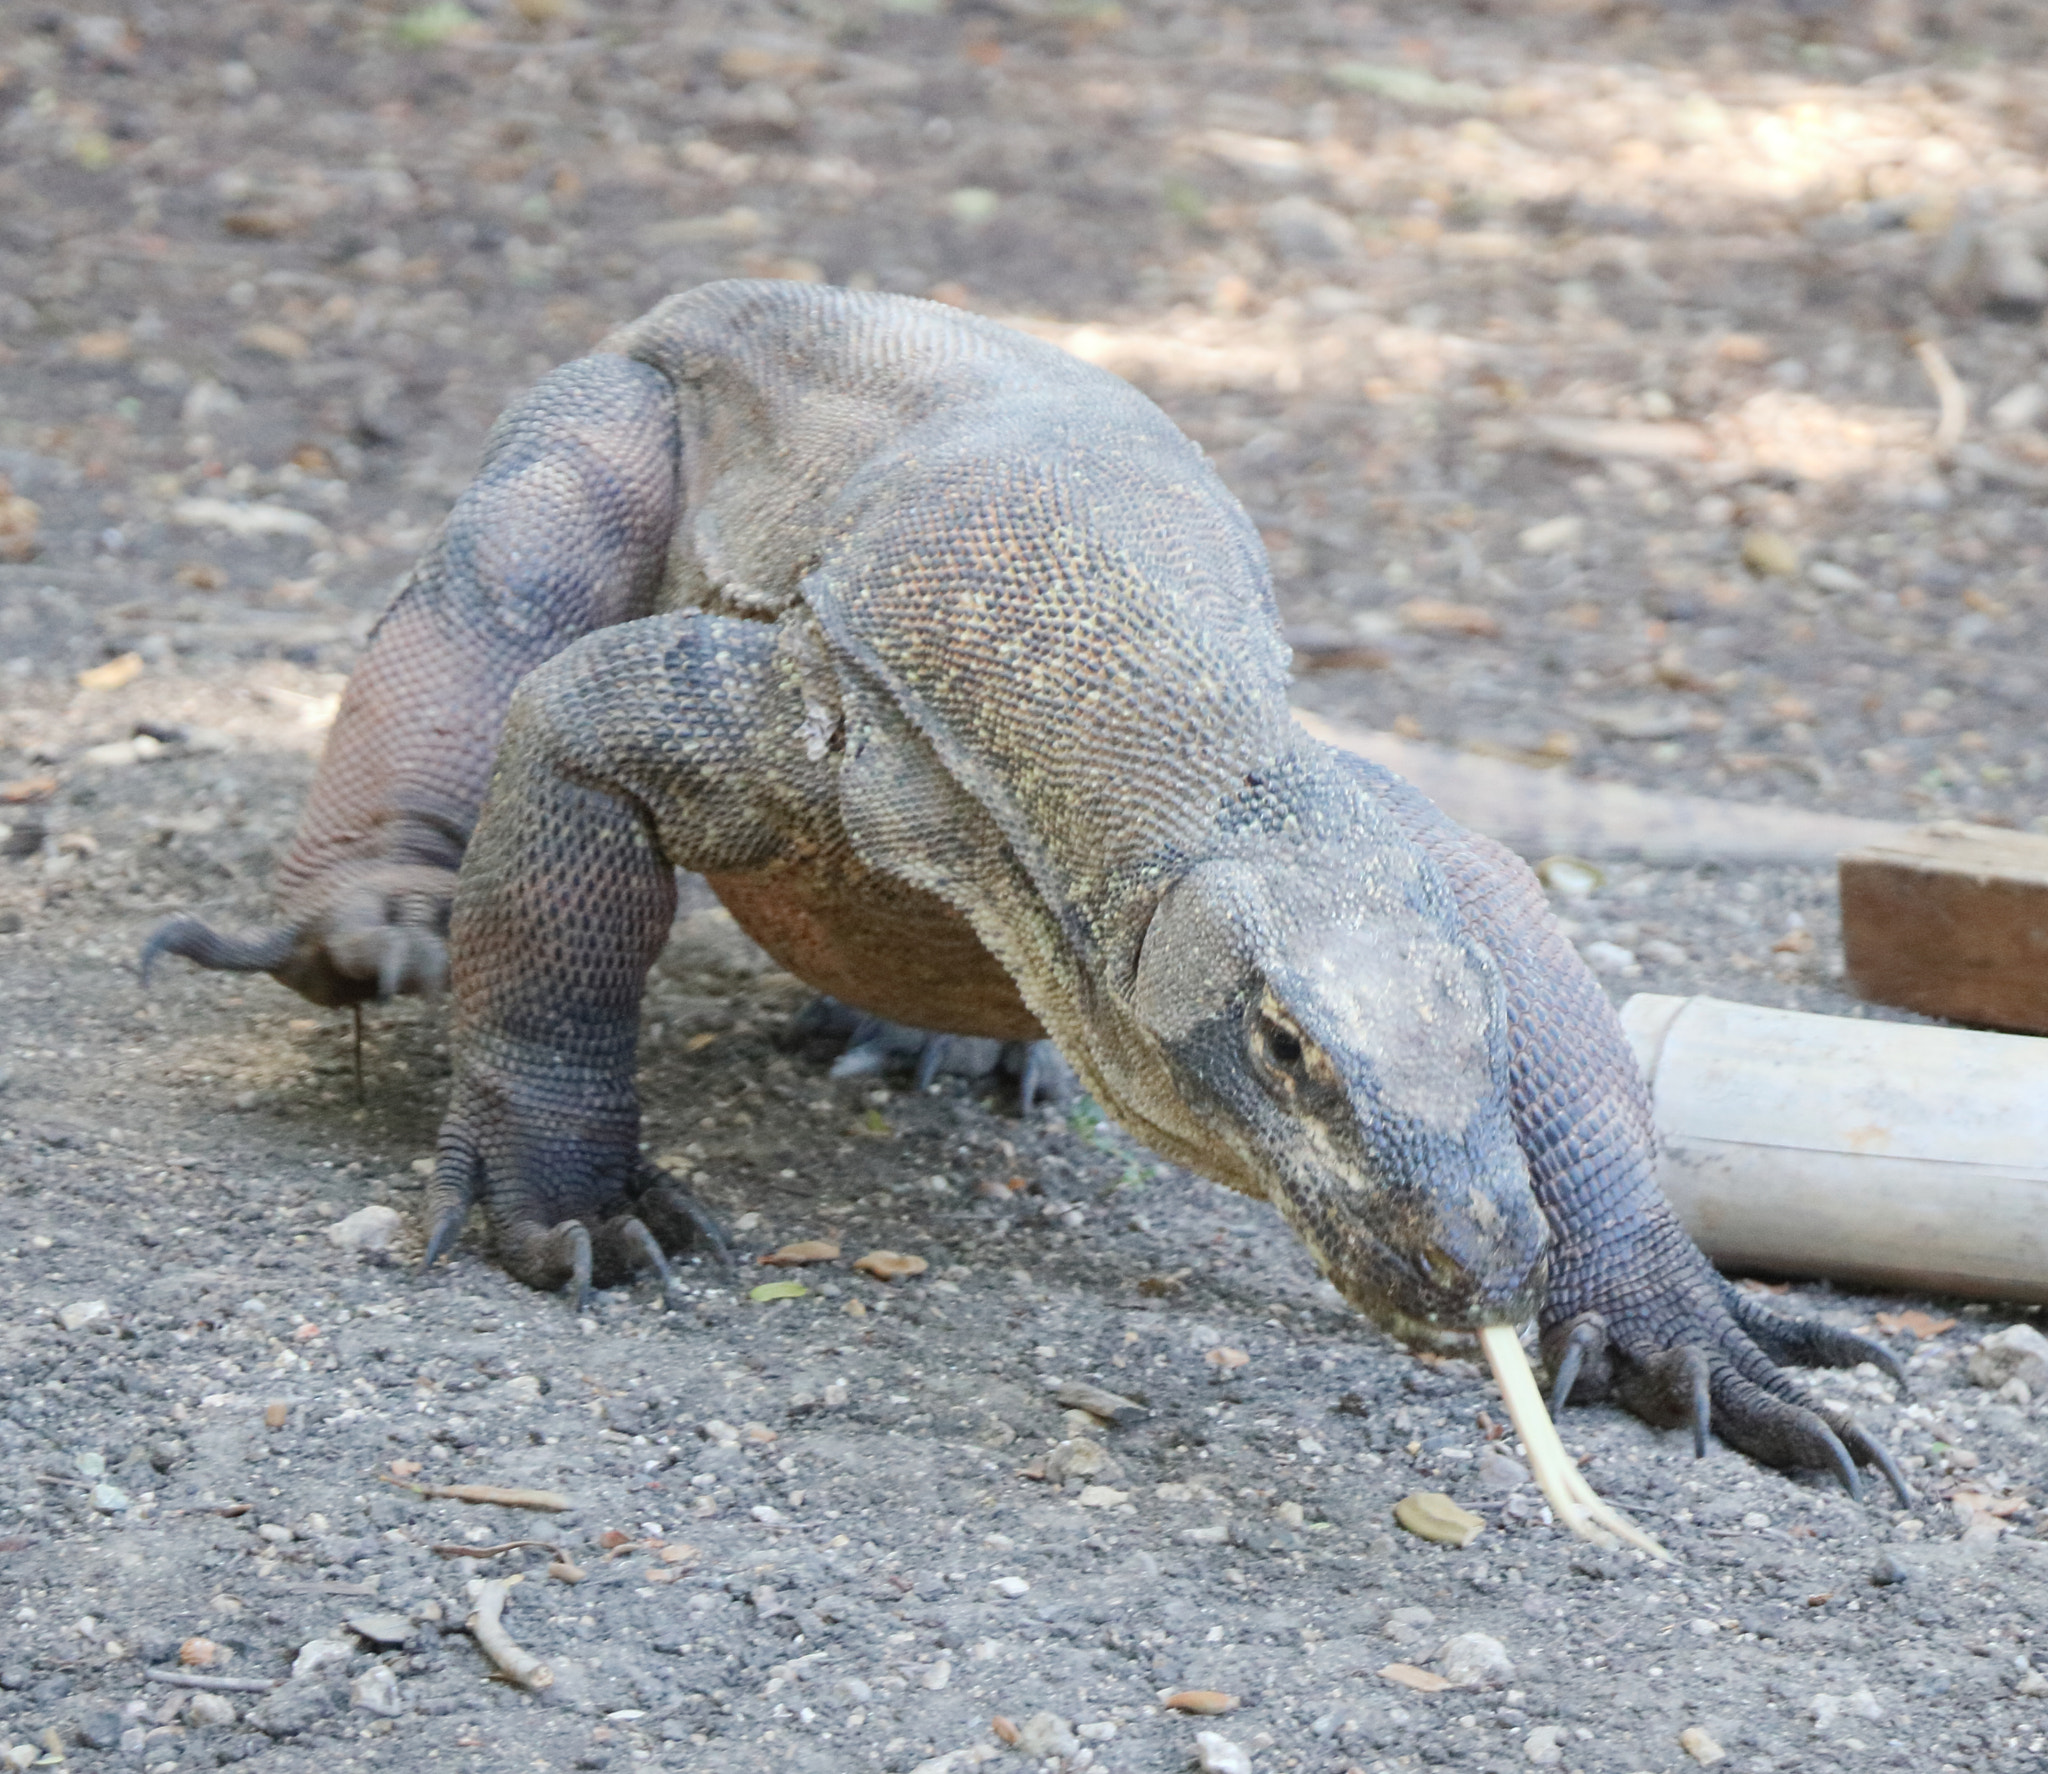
<point>375,930</point>
<point>873,1044</point>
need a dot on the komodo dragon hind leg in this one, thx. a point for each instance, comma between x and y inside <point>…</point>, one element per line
<point>873,1045</point>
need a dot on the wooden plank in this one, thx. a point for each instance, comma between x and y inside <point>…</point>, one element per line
<point>1951,920</point>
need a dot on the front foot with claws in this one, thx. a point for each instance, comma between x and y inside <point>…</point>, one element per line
<point>567,1220</point>
<point>874,1045</point>
<point>1681,1347</point>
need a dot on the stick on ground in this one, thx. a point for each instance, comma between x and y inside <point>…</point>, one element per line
<point>511,1498</point>
<point>487,1627</point>
<point>1557,1473</point>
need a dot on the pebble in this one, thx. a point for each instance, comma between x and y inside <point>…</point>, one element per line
<point>1218,1755</point>
<point>2018,1353</point>
<point>1405,1625</point>
<point>1475,1660</point>
<point>1890,1569</point>
<point>1012,1587</point>
<point>1769,555</point>
<point>1046,1734</point>
<point>1498,1470</point>
<point>1108,1407</point>
<point>109,1499</point>
<point>81,1313</point>
<point>321,1653</point>
<point>1100,1496</point>
<point>380,1629</point>
<point>1553,535</point>
<point>1701,1746</point>
<point>1080,1458</point>
<point>370,1229</point>
<point>210,1709</point>
<point>522,1388</point>
<point>2032,1683</point>
<point>1545,1745</point>
<point>376,1691</point>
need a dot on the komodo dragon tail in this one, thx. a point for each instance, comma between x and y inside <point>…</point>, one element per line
<point>262,952</point>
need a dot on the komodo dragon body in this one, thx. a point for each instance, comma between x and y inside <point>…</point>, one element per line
<point>954,668</point>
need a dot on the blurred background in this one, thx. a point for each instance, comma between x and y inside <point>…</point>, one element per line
<point>1646,391</point>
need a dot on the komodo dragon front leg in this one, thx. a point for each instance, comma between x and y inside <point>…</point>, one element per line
<point>565,530</point>
<point>667,743</point>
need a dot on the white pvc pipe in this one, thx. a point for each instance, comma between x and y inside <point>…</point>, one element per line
<point>1888,1153</point>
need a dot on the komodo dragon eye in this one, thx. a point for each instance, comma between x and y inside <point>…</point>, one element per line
<point>1281,1047</point>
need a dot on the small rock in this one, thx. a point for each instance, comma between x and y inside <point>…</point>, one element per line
<point>1545,1745</point>
<point>376,1691</point>
<point>81,1313</point>
<point>2017,1353</point>
<point>1405,1625</point>
<point>2031,1683</point>
<point>1475,1660</point>
<point>1610,957</point>
<point>1497,1469</point>
<point>1013,1588</point>
<point>20,1755</point>
<point>1307,232</point>
<point>1890,1569</point>
<point>1430,1515</point>
<point>98,1727</point>
<point>211,1709</point>
<point>1833,576</point>
<point>1100,1496</point>
<point>109,1499</point>
<point>294,1708</point>
<point>522,1388</point>
<point>1080,1458</point>
<point>1046,1734</point>
<point>1107,1407</point>
<point>380,1629</point>
<point>1218,1755</point>
<point>1769,555</point>
<point>276,1533</point>
<point>1554,535</point>
<point>1571,877</point>
<point>370,1229</point>
<point>198,1653</point>
<point>1701,1746</point>
<point>321,1653</point>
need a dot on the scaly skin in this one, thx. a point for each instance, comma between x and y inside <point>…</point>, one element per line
<point>955,670</point>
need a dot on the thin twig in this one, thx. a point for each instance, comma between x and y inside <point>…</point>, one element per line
<point>213,1684</point>
<point>484,1493</point>
<point>454,1549</point>
<point>486,1626</point>
<point>1950,392</point>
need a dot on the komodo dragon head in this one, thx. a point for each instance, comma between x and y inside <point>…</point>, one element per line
<point>1347,1046</point>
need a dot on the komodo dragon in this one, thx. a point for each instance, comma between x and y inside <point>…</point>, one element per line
<point>955,669</point>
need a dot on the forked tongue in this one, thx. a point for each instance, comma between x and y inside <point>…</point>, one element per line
<point>1557,1474</point>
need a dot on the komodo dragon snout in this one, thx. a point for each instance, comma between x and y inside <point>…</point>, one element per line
<point>1352,1055</point>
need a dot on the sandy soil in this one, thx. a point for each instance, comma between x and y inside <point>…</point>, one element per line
<point>1566,355</point>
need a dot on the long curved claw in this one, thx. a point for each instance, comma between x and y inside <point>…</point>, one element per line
<point>1874,1453</point>
<point>1808,1342</point>
<point>641,1243</point>
<point>684,1219</point>
<point>1588,1337</point>
<point>259,952</point>
<point>447,1228</point>
<point>932,1059</point>
<point>1702,1400</point>
<point>1844,1467</point>
<point>1043,1072</point>
<point>575,1236</point>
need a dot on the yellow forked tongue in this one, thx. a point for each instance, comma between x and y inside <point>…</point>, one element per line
<point>1570,1497</point>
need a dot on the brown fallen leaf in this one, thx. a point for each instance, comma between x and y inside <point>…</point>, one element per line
<point>276,1413</point>
<point>699,1041</point>
<point>1430,1515</point>
<point>1005,1729</point>
<point>114,675</point>
<point>1922,1324</point>
<point>890,1265</point>
<point>805,1250</point>
<point>678,1552</point>
<point>1423,1681</point>
<point>1206,1701</point>
<point>564,1572</point>
<point>1226,1357</point>
<point>197,1653</point>
<point>27,788</point>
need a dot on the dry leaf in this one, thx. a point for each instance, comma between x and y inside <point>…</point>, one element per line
<point>1005,1729</point>
<point>1423,1681</point>
<point>197,1653</point>
<point>777,1290</point>
<point>805,1250</point>
<point>1226,1357</point>
<point>680,1553</point>
<point>1922,1324</point>
<point>1206,1701</point>
<point>889,1265</point>
<point>114,675</point>
<point>27,788</point>
<point>1433,1516</point>
<point>564,1572</point>
<point>275,1414</point>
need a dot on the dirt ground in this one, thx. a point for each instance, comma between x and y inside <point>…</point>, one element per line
<point>1581,365</point>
